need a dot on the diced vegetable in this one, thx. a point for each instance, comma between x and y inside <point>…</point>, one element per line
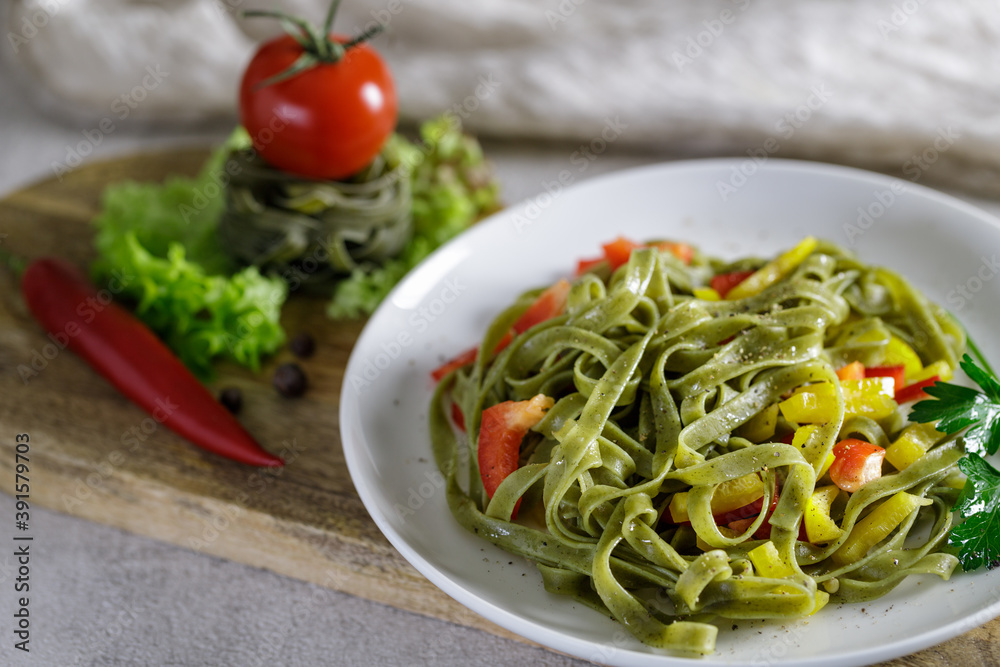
<point>728,496</point>
<point>916,391</point>
<point>501,431</point>
<point>774,270</point>
<point>940,369</point>
<point>852,371</point>
<point>820,528</point>
<point>767,562</point>
<point>877,526</point>
<point>898,352</point>
<point>811,404</point>
<point>706,294</point>
<point>871,397</point>
<point>897,373</point>
<point>911,445</point>
<point>548,304</point>
<point>725,282</point>
<point>856,463</point>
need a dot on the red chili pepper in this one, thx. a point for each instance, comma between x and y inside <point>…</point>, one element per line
<point>724,282</point>
<point>133,359</point>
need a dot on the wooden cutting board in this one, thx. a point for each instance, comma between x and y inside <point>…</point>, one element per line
<point>304,521</point>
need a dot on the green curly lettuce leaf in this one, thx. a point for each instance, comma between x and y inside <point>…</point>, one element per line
<point>159,242</point>
<point>453,187</point>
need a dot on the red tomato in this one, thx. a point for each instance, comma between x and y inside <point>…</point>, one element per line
<point>548,304</point>
<point>327,122</point>
<point>503,427</point>
<point>724,282</point>
<point>618,251</point>
<point>856,463</point>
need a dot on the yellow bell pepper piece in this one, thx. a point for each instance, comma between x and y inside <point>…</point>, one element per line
<point>822,597</point>
<point>911,445</point>
<point>760,427</point>
<point>811,404</point>
<point>728,496</point>
<point>940,368</point>
<point>706,294</point>
<point>774,270</point>
<point>768,562</point>
<point>871,397</point>
<point>820,527</point>
<point>877,526</point>
<point>898,352</point>
<point>817,403</point>
<point>802,435</point>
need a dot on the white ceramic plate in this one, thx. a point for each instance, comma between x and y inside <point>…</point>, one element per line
<point>938,242</point>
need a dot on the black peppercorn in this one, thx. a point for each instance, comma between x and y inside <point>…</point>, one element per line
<point>290,380</point>
<point>231,399</point>
<point>302,345</point>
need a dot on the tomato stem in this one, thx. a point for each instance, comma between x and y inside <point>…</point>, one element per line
<point>318,46</point>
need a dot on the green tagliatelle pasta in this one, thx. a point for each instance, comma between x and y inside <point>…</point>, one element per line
<point>655,392</point>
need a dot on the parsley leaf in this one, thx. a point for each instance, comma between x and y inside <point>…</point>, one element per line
<point>978,536</point>
<point>959,407</point>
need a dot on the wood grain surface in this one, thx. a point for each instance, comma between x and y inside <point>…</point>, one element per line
<point>304,521</point>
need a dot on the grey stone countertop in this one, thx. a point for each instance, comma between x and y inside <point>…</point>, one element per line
<point>100,596</point>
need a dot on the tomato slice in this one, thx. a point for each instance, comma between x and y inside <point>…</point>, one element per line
<point>724,282</point>
<point>856,463</point>
<point>454,364</point>
<point>501,431</point>
<point>916,390</point>
<point>618,251</point>
<point>585,265</point>
<point>897,373</point>
<point>549,304</point>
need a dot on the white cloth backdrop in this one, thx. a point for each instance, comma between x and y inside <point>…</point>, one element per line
<point>911,87</point>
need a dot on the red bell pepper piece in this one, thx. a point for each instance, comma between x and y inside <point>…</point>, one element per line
<point>454,364</point>
<point>856,463</point>
<point>501,431</point>
<point>916,390</point>
<point>897,373</point>
<point>549,304</point>
<point>724,282</point>
<point>617,253</point>
<point>133,359</point>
